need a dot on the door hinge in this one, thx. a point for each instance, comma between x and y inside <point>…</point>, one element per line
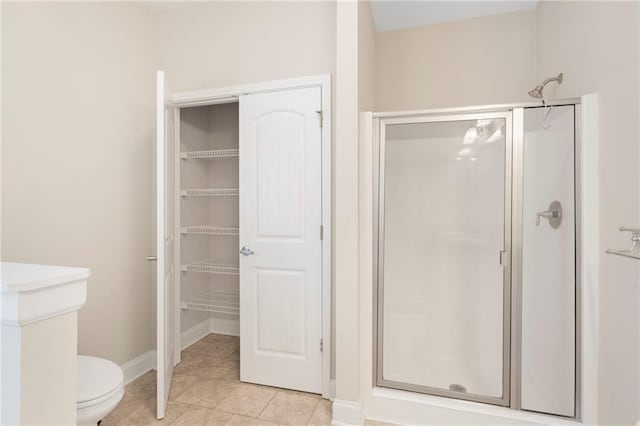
<point>321,345</point>
<point>320,113</point>
<point>321,232</point>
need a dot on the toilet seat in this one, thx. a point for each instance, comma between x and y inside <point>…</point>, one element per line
<point>98,379</point>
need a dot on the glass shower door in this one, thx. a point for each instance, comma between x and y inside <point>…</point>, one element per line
<point>443,274</point>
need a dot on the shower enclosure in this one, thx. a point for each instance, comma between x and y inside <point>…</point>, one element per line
<point>477,295</point>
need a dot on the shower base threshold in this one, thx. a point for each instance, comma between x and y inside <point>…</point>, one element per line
<point>403,407</point>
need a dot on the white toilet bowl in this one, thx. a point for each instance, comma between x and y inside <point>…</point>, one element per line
<point>100,389</point>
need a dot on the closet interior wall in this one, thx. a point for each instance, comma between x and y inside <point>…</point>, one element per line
<point>209,223</point>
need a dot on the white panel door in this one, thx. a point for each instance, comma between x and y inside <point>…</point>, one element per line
<point>165,271</point>
<point>280,219</point>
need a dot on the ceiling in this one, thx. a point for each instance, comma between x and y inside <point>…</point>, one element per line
<point>399,14</point>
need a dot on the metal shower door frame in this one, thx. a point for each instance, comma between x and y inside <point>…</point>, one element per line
<point>378,333</point>
<point>513,327</point>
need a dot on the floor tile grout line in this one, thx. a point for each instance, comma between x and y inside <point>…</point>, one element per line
<point>315,407</point>
<point>225,397</point>
<point>285,392</point>
<point>196,407</point>
<point>267,404</point>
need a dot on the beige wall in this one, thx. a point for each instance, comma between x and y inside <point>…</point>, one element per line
<point>366,57</point>
<point>486,60</point>
<point>76,158</point>
<point>346,203</point>
<point>604,59</point>
<point>77,164</point>
<point>216,44</point>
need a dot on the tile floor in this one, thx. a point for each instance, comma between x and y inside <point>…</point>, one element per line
<point>206,390</point>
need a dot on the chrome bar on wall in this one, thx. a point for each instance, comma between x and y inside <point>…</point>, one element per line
<point>634,251</point>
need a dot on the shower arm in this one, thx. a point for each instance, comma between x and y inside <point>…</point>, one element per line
<point>537,92</point>
<point>550,79</point>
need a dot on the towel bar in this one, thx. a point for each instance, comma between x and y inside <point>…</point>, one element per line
<point>634,251</point>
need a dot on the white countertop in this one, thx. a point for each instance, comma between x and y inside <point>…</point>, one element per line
<point>18,277</point>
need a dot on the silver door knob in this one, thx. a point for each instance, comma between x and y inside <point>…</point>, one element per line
<point>151,258</point>
<point>246,251</point>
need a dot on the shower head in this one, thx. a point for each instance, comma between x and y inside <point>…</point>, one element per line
<point>537,92</point>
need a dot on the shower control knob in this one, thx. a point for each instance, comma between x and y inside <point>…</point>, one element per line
<point>246,251</point>
<point>553,215</point>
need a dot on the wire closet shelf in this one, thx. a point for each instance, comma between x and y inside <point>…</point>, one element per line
<point>210,268</point>
<point>209,230</point>
<point>221,303</point>
<point>209,192</point>
<point>208,154</point>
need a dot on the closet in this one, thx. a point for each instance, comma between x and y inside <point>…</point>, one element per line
<point>243,228</point>
<point>208,217</point>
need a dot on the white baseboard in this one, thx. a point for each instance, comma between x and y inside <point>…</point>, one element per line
<point>347,413</point>
<point>138,366</point>
<point>229,327</point>
<point>195,333</point>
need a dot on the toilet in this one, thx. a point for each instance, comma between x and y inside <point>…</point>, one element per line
<point>100,389</point>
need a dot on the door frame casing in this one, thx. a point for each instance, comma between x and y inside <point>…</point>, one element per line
<point>231,94</point>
